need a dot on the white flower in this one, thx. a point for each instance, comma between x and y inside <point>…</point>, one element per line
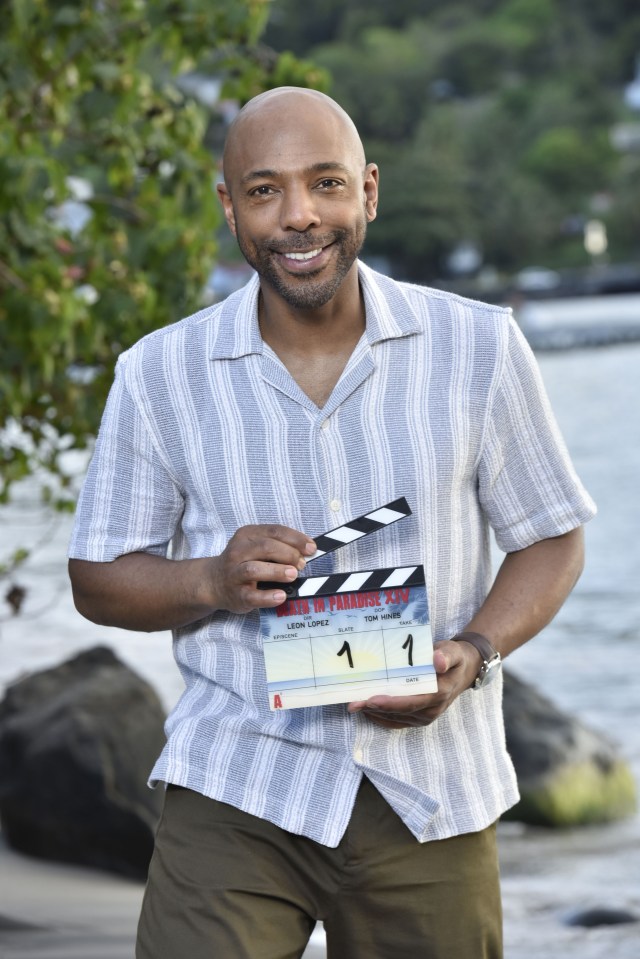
<point>87,293</point>
<point>79,188</point>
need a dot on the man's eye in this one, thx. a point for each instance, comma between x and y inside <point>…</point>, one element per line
<point>328,183</point>
<point>261,191</point>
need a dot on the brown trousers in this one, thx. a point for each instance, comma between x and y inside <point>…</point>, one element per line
<point>226,885</point>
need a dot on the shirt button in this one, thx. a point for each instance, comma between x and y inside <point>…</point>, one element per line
<point>334,505</point>
<point>358,755</point>
<point>324,425</point>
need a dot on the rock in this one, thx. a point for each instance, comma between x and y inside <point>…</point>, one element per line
<point>600,916</point>
<point>77,743</point>
<point>568,774</point>
<point>7,924</point>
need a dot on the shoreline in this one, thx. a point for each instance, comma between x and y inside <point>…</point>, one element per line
<point>52,910</point>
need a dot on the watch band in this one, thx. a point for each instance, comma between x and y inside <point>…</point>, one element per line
<point>480,642</point>
<point>491,660</point>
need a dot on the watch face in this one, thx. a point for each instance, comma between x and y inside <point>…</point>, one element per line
<point>488,672</point>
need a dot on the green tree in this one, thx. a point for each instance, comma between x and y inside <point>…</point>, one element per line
<point>107,199</point>
<point>568,163</point>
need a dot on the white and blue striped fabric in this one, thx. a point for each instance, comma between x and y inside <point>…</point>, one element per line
<point>205,431</point>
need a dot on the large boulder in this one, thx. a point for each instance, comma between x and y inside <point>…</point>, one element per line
<point>76,746</point>
<point>568,774</point>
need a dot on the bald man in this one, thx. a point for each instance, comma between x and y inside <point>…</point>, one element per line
<point>315,394</point>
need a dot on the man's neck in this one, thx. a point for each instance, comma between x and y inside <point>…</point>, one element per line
<point>329,328</point>
<point>314,345</point>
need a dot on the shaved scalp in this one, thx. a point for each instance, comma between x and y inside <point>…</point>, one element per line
<point>282,102</point>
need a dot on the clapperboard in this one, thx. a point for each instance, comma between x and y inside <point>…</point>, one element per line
<point>344,637</point>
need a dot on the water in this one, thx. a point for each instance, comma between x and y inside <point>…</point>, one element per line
<point>586,661</point>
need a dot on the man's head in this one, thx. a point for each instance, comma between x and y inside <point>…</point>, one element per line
<point>298,193</point>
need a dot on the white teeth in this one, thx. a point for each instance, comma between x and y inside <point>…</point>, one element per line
<point>303,256</point>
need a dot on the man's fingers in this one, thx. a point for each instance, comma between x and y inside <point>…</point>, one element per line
<point>254,572</point>
<point>272,538</point>
<point>399,722</point>
<point>441,661</point>
<point>395,704</point>
<point>274,544</point>
<point>249,574</point>
<point>285,533</point>
<point>262,598</point>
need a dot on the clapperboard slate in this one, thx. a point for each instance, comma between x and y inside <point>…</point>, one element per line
<point>347,636</point>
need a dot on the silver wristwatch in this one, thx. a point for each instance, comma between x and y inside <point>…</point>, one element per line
<point>491,659</point>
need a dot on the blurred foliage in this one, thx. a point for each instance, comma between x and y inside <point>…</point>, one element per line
<point>491,122</point>
<point>107,199</point>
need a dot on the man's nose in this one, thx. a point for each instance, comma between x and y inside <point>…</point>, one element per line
<point>298,210</point>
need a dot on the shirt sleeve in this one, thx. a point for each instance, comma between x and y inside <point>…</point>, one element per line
<point>527,484</point>
<point>129,501</point>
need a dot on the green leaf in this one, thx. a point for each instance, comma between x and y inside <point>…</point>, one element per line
<point>67,17</point>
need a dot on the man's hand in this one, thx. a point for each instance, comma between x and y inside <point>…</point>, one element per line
<point>456,665</point>
<point>256,554</point>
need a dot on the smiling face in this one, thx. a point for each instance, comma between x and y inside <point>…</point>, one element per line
<point>297,194</point>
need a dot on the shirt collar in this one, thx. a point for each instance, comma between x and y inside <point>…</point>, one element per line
<point>389,312</point>
<point>237,332</point>
<point>389,315</point>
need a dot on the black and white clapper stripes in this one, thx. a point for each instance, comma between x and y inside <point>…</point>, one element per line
<point>376,579</point>
<point>356,528</point>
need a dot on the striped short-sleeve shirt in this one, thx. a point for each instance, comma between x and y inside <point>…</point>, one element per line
<point>205,431</point>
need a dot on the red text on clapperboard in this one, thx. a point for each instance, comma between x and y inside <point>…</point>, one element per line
<point>385,597</point>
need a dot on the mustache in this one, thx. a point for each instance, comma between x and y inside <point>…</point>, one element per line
<point>302,242</point>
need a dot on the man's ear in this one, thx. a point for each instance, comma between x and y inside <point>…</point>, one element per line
<point>227,206</point>
<point>371,180</point>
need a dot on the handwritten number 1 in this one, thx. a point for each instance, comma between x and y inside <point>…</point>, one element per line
<point>409,644</point>
<point>347,649</point>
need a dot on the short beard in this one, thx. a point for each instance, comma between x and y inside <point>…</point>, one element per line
<point>302,293</point>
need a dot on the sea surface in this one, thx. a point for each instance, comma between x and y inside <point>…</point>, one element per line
<point>587,661</point>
